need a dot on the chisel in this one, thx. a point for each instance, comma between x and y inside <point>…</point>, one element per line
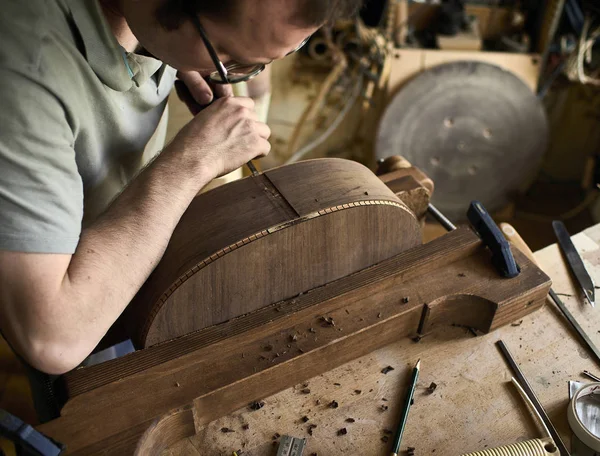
<point>574,259</point>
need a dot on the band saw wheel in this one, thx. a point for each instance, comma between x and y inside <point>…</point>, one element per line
<point>477,130</point>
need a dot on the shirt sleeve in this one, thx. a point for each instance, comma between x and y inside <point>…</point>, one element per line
<point>41,191</point>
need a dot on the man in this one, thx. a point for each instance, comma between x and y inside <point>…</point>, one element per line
<point>84,86</point>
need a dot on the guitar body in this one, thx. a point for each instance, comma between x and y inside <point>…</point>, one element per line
<point>257,241</point>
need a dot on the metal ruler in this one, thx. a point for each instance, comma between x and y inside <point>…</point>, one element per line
<point>291,446</point>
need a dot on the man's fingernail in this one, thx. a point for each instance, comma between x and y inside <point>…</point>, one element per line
<point>206,98</point>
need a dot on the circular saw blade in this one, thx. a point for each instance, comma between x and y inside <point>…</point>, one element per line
<point>477,130</point>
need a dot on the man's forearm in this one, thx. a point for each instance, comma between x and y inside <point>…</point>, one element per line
<point>55,308</point>
<point>113,259</point>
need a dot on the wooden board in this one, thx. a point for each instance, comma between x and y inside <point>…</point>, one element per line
<point>474,406</point>
<point>256,241</point>
<point>407,63</point>
<point>254,356</point>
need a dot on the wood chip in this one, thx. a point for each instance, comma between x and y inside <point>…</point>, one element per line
<point>256,405</point>
<point>293,338</point>
<point>431,388</point>
<point>329,321</point>
<point>337,384</point>
<point>517,323</point>
<point>387,369</point>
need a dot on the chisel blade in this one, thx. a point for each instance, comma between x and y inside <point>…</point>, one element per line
<point>574,260</point>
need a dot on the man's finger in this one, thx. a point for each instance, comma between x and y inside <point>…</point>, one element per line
<point>197,86</point>
<point>221,90</point>
<point>240,101</point>
<point>263,130</point>
<point>263,149</point>
<point>184,95</point>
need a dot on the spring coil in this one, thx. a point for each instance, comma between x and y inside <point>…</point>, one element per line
<point>535,447</point>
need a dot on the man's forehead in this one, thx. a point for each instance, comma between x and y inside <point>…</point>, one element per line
<point>262,31</point>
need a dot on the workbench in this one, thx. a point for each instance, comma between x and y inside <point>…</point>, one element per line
<point>473,407</point>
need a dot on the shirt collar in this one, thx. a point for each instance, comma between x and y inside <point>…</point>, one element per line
<point>118,69</point>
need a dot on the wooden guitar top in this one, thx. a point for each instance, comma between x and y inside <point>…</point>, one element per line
<point>263,239</point>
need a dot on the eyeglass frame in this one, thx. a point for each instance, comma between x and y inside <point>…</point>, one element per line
<point>221,68</point>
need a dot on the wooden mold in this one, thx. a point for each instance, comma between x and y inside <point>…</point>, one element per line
<point>256,241</point>
<point>145,402</point>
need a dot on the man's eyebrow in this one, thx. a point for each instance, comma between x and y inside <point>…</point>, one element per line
<point>242,60</point>
<point>246,62</point>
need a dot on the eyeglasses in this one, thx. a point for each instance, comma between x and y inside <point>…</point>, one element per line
<point>233,72</point>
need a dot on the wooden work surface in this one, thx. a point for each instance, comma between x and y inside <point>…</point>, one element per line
<point>474,406</point>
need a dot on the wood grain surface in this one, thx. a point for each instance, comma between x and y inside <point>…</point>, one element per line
<point>256,241</point>
<point>224,367</point>
<point>473,407</point>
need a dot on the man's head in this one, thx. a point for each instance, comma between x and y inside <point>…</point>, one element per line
<point>246,31</point>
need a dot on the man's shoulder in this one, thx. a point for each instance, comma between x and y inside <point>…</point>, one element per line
<point>26,27</point>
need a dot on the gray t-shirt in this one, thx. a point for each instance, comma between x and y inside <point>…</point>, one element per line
<point>77,114</point>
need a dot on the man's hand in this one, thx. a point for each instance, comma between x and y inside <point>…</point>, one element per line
<point>222,137</point>
<point>196,92</point>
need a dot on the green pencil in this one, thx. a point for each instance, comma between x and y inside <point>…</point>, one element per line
<point>406,409</point>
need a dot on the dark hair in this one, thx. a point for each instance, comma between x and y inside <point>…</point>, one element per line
<point>172,13</point>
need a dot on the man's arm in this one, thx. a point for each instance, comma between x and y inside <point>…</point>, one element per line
<point>54,309</point>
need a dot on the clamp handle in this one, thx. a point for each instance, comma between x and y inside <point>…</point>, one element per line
<point>484,225</point>
<point>27,440</point>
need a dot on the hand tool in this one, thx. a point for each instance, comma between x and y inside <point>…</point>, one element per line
<point>531,394</point>
<point>291,446</point>
<point>512,235</point>
<point>406,409</point>
<point>574,259</point>
<point>592,376</point>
